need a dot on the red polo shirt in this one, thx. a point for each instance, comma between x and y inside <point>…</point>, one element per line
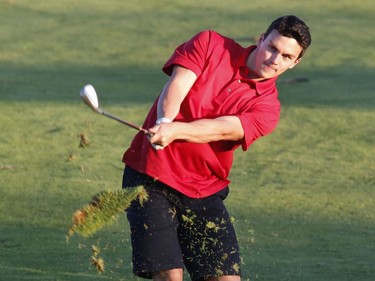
<point>200,170</point>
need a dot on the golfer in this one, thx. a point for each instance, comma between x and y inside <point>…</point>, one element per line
<point>220,96</point>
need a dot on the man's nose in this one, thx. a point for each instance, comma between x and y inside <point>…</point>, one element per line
<point>275,58</point>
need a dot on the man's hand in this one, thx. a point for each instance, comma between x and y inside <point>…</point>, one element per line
<point>155,143</point>
<point>161,135</point>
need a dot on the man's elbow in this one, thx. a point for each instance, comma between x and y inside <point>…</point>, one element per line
<point>231,128</point>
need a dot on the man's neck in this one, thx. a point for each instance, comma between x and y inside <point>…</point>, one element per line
<point>250,62</point>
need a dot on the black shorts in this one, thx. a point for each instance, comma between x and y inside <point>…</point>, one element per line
<point>171,230</point>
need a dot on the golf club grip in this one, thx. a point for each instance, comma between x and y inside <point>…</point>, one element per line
<point>124,122</point>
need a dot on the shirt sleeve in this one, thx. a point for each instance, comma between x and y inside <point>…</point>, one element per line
<point>258,122</point>
<point>191,54</point>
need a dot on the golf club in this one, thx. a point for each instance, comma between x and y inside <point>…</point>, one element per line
<point>88,95</point>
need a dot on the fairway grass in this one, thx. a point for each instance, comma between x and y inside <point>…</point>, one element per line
<point>303,198</point>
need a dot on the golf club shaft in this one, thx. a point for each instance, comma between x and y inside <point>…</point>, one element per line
<point>123,121</point>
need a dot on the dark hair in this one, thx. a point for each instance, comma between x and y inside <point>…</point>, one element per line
<point>293,27</point>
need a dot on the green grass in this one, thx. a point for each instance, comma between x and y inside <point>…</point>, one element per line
<point>303,197</point>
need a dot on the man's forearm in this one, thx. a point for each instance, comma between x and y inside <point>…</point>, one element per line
<point>209,130</point>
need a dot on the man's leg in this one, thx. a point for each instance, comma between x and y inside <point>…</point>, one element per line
<point>169,275</point>
<point>225,278</point>
<point>155,245</point>
<point>208,239</point>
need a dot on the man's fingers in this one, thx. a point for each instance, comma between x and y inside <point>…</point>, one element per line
<point>157,146</point>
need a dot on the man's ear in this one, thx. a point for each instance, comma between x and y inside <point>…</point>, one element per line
<point>295,63</point>
<point>260,40</point>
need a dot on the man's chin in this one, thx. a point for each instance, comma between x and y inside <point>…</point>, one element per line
<point>267,75</point>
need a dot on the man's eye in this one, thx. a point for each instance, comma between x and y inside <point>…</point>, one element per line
<point>272,48</point>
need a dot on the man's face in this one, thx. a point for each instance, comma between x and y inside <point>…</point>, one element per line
<point>275,54</point>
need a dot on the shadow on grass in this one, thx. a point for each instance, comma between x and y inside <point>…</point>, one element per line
<point>30,252</point>
<point>341,86</point>
<point>293,248</point>
<point>286,247</point>
<point>338,87</point>
<point>63,83</point>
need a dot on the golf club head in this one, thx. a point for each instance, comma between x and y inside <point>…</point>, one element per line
<point>88,95</point>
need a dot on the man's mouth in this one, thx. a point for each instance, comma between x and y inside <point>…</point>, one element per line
<point>269,68</point>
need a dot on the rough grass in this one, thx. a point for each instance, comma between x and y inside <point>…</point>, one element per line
<point>303,197</point>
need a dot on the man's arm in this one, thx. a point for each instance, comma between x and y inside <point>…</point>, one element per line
<point>199,131</point>
<point>209,130</point>
<point>174,92</point>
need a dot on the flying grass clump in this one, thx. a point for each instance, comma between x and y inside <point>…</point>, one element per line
<point>96,261</point>
<point>103,209</point>
<point>83,140</point>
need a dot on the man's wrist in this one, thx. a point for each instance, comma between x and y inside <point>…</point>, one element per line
<point>163,120</point>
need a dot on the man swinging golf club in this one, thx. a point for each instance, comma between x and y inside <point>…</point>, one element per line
<point>220,96</point>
